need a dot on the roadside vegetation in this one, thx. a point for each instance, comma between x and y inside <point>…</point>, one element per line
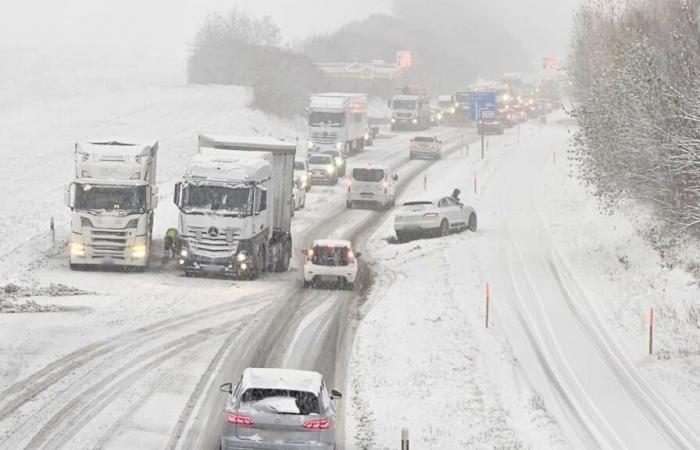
<point>636,72</point>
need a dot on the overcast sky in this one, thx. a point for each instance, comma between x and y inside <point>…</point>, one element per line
<point>166,26</point>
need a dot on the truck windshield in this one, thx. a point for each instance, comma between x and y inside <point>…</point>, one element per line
<point>318,160</point>
<point>403,104</point>
<point>463,99</point>
<point>370,175</point>
<point>92,197</point>
<point>219,199</point>
<point>334,119</point>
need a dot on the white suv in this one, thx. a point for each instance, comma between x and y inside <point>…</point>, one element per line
<point>371,186</point>
<point>332,263</point>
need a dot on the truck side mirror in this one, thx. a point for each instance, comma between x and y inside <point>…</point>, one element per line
<point>176,194</point>
<point>395,177</point>
<point>227,387</point>
<point>68,195</point>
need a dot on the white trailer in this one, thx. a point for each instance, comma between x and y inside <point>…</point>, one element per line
<point>236,206</point>
<point>112,199</point>
<point>339,121</point>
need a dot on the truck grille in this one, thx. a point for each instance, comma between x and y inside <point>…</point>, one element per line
<point>324,138</point>
<point>108,243</point>
<point>201,241</point>
<point>401,115</point>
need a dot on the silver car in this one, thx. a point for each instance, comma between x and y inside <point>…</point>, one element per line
<point>279,409</point>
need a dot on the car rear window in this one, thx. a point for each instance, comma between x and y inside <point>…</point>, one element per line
<point>423,139</point>
<point>320,159</point>
<point>370,175</point>
<point>330,256</point>
<point>306,402</point>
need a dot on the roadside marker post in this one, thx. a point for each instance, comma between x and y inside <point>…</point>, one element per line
<point>651,330</point>
<point>404,439</point>
<point>476,183</point>
<point>488,302</point>
<point>53,231</point>
<point>518,142</point>
<point>425,183</point>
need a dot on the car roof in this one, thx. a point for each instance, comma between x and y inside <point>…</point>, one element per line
<point>383,167</point>
<point>332,243</point>
<point>296,380</point>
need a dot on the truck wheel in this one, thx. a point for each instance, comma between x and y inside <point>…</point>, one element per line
<point>348,205</point>
<point>307,284</point>
<point>76,266</point>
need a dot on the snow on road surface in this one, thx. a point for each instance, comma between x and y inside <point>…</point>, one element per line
<point>548,353</point>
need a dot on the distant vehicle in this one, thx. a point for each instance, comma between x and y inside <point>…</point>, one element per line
<point>433,218</point>
<point>425,147</point>
<point>279,409</point>
<point>490,125</point>
<point>235,203</point>
<point>331,262</point>
<point>299,196</point>
<point>372,186</point>
<point>410,110</point>
<point>338,121</point>
<point>436,116</point>
<point>507,116</point>
<point>323,169</point>
<point>462,108</point>
<point>302,174</point>
<point>341,164</point>
<point>112,200</point>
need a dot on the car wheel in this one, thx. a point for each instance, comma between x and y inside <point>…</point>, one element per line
<point>472,222</point>
<point>444,228</point>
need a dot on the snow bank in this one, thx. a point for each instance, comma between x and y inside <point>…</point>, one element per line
<point>422,358</point>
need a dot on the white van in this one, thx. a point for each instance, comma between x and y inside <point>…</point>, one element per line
<point>371,186</point>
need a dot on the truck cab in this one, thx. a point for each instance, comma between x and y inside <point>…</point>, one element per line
<point>371,186</point>
<point>410,112</point>
<point>112,200</point>
<point>236,204</point>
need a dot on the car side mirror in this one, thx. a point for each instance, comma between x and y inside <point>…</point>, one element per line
<point>336,395</point>
<point>358,254</point>
<point>228,388</point>
<point>395,177</point>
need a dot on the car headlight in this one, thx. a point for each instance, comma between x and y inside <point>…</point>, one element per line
<point>241,257</point>
<point>138,251</point>
<point>330,170</point>
<point>77,248</point>
<point>338,161</point>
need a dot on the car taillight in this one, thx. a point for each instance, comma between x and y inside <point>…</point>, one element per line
<point>236,419</point>
<point>317,424</point>
<point>413,144</point>
<point>433,145</point>
<point>430,215</point>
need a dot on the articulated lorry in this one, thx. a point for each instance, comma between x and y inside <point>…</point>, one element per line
<point>410,110</point>
<point>112,199</point>
<point>236,207</point>
<point>339,121</point>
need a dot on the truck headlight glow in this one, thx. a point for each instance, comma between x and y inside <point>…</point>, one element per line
<point>241,257</point>
<point>77,249</point>
<point>184,253</point>
<point>244,266</point>
<point>339,145</point>
<point>310,143</point>
<point>415,121</point>
<point>330,170</point>
<point>338,161</point>
<point>138,251</point>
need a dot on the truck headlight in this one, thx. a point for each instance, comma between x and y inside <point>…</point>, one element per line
<point>338,161</point>
<point>310,143</point>
<point>339,145</point>
<point>241,257</point>
<point>77,248</point>
<point>393,120</point>
<point>138,251</point>
<point>330,170</point>
<point>415,121</point>
<point>184,253</point>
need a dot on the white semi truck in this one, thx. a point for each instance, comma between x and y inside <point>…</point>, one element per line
<point>112,199</point>
<point>339,121</point>
<point>236,206</point>
<point>410,110</point>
